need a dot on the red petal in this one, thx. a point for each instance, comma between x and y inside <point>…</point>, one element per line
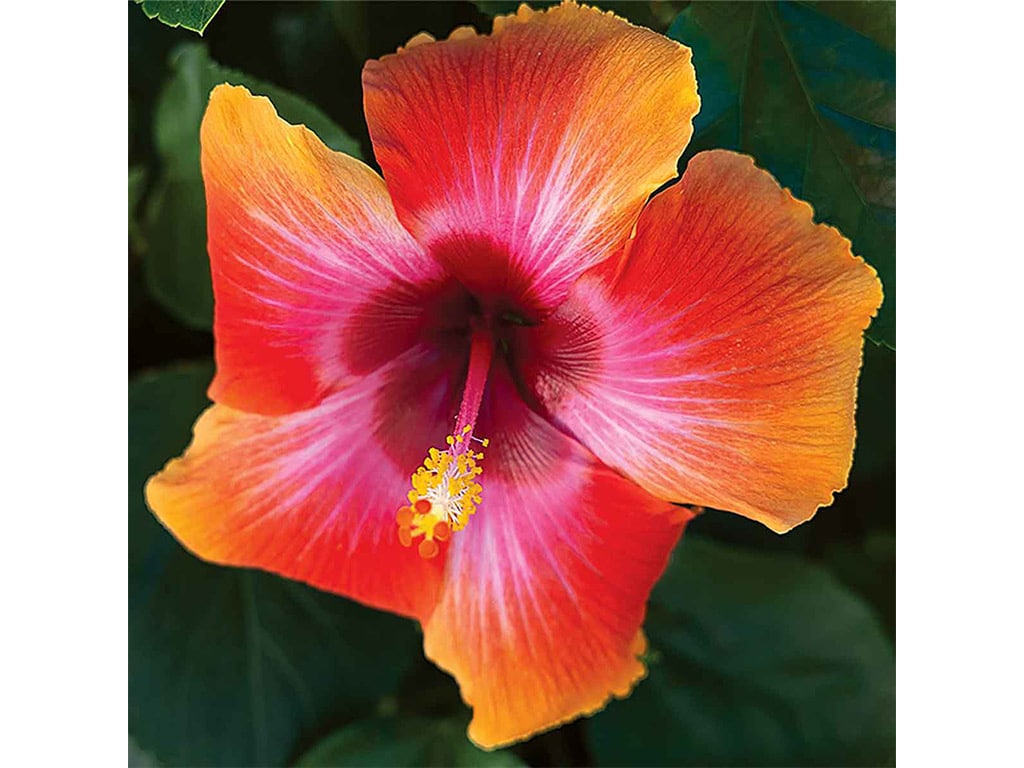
<point>545,589</point>
<point>314,495</point>
<point>314,277</point>
<point>719,367</point>
<point>524,157</point>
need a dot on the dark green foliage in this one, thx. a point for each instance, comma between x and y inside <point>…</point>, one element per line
<point>757,659</point>
<point>875,453</point>
<point>395,741</point>
<point>136,186</point>
<point>814,101</point>
<point>190,14</point>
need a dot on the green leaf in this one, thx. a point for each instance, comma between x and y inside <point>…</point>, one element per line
<point>804,90</point>
<point>138,757</point>
<point>136,186</point>
<point>177,266</point>
<point>875,19</point>
<point>230,666</point>
<point>759,659</point>
<point>875,449</point>
<point>655,14</point>
<point>868,566</point>
<point>350,21</point>
<point>190,14</point>
<point>432,743</point>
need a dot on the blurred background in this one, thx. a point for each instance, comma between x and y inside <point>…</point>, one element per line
<point>764,649</point>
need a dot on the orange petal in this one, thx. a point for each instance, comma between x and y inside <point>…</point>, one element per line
<point>312,495</point>
<point>522,158</point>
<point>718,366</point>
<point>314,278</point>
<point>545,590</point>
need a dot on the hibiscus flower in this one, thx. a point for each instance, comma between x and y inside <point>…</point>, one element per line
<point>470,394</point>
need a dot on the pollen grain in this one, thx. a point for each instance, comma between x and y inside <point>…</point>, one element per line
<point>445,492</point>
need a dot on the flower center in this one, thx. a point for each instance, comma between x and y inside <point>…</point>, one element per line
<point>445,490</point>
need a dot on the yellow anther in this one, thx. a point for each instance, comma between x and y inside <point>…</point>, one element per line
<point>444,494</point>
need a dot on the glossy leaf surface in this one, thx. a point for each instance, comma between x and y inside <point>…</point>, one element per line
<point>190,14</point>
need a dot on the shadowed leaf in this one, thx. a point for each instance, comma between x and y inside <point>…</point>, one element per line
<point>136,186</point>
<point>760,659</point>
<point>432,743</point>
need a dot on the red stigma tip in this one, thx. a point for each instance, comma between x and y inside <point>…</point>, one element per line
<point>428,549</point>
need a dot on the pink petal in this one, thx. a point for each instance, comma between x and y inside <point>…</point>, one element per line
<point>545,588</point>
<point>314,278</point>
<point>718,364</point>
<point>313,495</point>
<point>522,158</point>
